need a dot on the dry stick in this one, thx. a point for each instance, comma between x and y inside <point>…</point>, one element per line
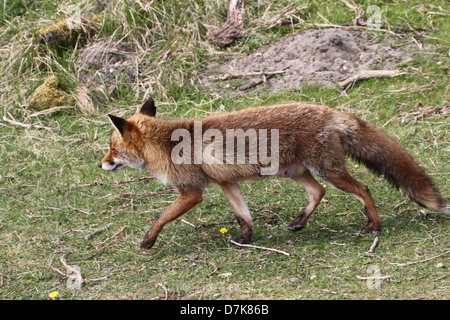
<point>209,263</point>
<point>420,261</point>
<point>80,210</point>
<point>96,183</point>
<point>374,277</point>
<point>73,270</point>
<point>165,290</point>
<point>75,273</point>
<point>69,268</point>
<point>257,247</point>
<point>366,74</point>
<point>24,125</point>
<point>250,74</point>
<point>99,231</point>
<point>108,244</point>
<point>265,76</point>
<point>372,247</point>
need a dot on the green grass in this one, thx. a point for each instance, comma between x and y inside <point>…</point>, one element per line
<point>49,204</point>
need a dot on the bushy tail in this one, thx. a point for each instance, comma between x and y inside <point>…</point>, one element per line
<point>384,156</point>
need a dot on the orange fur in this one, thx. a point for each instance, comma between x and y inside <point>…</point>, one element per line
<point>311,139</point>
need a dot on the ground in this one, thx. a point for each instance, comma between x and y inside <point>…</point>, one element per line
<point>54,197</point>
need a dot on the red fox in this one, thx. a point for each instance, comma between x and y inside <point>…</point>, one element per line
<point>304,139</point>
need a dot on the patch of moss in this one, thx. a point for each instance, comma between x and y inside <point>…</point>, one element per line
<point>49,95</point>
<point>65,32</point>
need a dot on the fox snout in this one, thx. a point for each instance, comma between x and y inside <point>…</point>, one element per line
<point>111,161</point>
<point>111,165</point>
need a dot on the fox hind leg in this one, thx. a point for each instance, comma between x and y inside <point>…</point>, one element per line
<point>315,193</point>
<point>234,195</point>
<point>343,181</point>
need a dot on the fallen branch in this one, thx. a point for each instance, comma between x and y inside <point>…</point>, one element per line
<point>258,247</point>
<point>233,27</point>
<point>420,261</point>
<point>366,74</point>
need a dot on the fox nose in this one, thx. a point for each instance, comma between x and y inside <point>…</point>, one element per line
<point>100,164</point>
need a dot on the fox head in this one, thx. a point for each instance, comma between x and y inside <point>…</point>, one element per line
<point>126,141</point>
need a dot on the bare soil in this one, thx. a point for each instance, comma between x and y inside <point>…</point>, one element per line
<point>323,57</point>
<point>103,63</point>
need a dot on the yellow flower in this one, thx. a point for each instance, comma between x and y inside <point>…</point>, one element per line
<point>53,294</point>
<point>223,230</point>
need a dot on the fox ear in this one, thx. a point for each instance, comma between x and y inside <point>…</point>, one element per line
<point>119,123</point>
<point>149,108</point>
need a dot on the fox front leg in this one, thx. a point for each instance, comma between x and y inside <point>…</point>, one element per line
<point>234,195</point>
<point>185,202</point>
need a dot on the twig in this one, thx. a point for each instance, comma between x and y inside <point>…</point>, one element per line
<point>24,125</point>
<point>363,23</point>
<point>96,183</point>
<point>74,272</point>
<point>99,231</point>
<point>108,244</point>
<point>258,247</point>
<point>184,221</point>
<point>420,261</point>
<point>250,74</point>
<point>129,196</point>
<point>325,228</point>
<point>372,247</point>
<point>50,110</point>
<point>406,210</point>
<point>80,210</point>
<point>209,263</point>
<point>165,290</point>
<point>374,277</point>
<point>366,74</point>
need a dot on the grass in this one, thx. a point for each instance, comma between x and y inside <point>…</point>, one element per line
<point>50,205</point>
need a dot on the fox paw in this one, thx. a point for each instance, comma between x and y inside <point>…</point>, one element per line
<point>370,227</point>
<point>296,226</point>
<point>147,243</point>
<point>243,239</point>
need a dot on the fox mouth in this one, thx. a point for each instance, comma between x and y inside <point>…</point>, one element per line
<point>111,166</point>
<point>117,167</point>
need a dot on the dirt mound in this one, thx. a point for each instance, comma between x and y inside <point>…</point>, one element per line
<point>316,56</point>
<point>104,63</point>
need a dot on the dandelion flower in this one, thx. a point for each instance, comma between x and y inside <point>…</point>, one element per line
<point>53,294</point>
<point>223,230</point>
